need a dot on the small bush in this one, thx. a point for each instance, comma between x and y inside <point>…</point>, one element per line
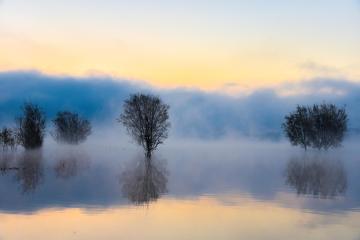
<point>70,128</point>
<point>320,126</point>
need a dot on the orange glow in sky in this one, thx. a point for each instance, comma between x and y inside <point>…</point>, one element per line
<point>207,44</point>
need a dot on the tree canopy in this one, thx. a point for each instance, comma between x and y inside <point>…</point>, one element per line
<point>146,119</point>
<point>70,128</point>
<point>31,126</point>
<point>319,126</point>
<point>8,138</point>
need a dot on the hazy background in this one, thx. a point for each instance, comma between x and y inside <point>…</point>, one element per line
<point>193,113</point>
<point>230,71</point>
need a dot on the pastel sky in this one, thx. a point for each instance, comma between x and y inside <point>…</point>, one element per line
<point>207,44</point>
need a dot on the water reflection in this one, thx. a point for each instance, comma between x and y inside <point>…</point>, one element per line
<point>30,170</point>
<point>6,162</point>
<point>145,182</point>
<point>70,164</point>
<point>316,176</point>
<point>62,177</point>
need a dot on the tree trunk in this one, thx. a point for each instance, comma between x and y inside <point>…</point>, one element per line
<point>148,155</point>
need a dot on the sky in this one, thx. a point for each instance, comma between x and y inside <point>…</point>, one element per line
<point>227,46</point>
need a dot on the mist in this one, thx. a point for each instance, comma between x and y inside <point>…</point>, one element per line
<point>66,176</point>
<point>193,113</point>
<point>219,145</point>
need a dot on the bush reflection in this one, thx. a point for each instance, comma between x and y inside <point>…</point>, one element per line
<point>30,170</point>
<point>316,176</point>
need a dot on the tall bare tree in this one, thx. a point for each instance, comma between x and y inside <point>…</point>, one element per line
<point>70,128</point>
<point>146,119</point>
<point>31,126</point>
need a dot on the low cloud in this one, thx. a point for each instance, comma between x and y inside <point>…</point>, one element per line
<point>320,69</point>
<point>193,113</point>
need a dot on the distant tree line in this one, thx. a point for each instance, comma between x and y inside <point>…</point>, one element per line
<point>319,126</point>
<point>146,119</point>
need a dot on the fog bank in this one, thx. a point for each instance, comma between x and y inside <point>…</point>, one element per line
<point>193,113</point>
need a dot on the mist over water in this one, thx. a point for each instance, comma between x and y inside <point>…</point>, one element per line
<point>99,174</point>
<point>106,182</point>
<point>179,120</point>
<point>225,172</point>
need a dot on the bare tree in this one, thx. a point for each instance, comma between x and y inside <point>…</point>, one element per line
<point>8,139</point>
<point>320,126</point>
<point>70,128</point>
<point>146,119</point>
<point>31,126</point>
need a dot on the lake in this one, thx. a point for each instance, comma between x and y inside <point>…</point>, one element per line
<point>192,189</point>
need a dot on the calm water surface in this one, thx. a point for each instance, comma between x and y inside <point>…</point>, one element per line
<point>191,190</point>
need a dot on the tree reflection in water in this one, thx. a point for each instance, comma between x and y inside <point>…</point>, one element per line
<point>319,177</point>
<point>145,182</point>
<point>70,164</point>
<point>7,162</point>
<point>30,170</point>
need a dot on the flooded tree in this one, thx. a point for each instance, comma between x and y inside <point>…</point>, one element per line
<point>146,119</point>
<point>70,128</point>
<point>8,139</point>
<point>320,126</point>
<point>329,125</point>
<point>297,127</point>
<point>31,126</point>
